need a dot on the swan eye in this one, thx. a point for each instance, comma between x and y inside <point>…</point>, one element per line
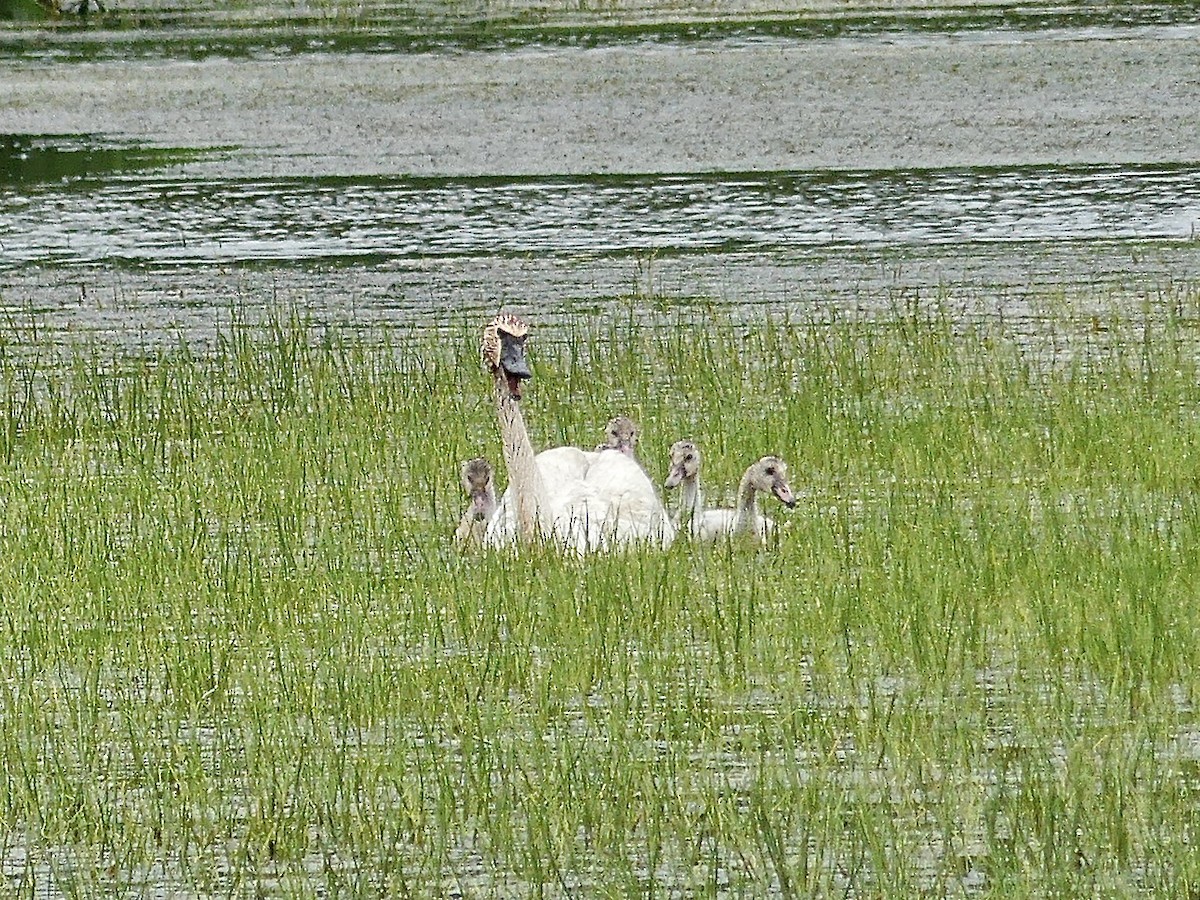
<point>770,470</point>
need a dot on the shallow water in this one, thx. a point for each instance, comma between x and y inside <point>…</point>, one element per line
<point>374,165</point>
<point>155,254</point>
<point>129,221</point>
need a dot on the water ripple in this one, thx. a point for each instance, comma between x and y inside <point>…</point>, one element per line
<point>137,221</point>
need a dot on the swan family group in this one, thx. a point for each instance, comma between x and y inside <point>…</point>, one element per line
<point>588,500</point>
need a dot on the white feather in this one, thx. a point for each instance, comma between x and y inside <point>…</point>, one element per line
<point>596,500</point>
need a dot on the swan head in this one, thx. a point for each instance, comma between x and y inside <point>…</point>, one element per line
<point>685,464</point>
<point>770,475</point>
<point>620,434</point>
<point>503,351</point>
<point>477,482</point>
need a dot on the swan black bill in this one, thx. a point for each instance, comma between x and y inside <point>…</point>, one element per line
<point>512,361</point>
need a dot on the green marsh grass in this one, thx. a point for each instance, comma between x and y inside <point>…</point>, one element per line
<point>244,658</point>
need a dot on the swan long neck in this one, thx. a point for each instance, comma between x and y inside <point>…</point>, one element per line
<point>746,516</point>
<point>524,478</point>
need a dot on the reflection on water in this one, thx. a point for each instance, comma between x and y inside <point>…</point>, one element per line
<point>138,221</point>
<point>136,253</point>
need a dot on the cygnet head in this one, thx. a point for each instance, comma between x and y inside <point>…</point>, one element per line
<point>685,464</point>
<point>770,476</point>
<point>620,434</point>
<point>477,482</point>
<point>503,351</point>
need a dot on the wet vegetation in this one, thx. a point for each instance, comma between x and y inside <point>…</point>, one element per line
<point>246,658</point>
<point>78,158</point>
<point>200,30</point>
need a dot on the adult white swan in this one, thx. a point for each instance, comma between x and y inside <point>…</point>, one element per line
<point>767,476</point>
<point>581,500</point>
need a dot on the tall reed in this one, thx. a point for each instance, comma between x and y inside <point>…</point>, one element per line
<point>245,656</point>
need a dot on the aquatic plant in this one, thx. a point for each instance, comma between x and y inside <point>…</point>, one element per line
<point>245,656</point>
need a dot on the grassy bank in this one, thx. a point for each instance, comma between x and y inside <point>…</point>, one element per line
<point>244,658</point>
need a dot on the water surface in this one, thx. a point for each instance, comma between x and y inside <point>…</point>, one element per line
<point>146,247</point>
<point>419,163</point>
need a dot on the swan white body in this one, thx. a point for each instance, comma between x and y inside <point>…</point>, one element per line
<point>581,500</point>
<point>768,475</point>
<point>595,500</point>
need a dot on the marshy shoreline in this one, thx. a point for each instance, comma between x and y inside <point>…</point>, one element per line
<point>944,262</point>
<point>249,659</point>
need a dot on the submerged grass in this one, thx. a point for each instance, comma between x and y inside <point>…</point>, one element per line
<point>244,658</point>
